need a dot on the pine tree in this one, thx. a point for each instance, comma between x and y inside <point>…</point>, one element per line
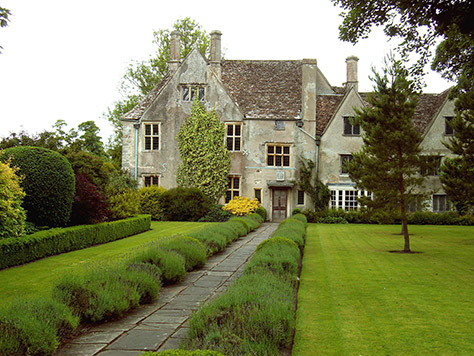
<point>205,158</point>
<point>457,174</point>
<point>389,161</point>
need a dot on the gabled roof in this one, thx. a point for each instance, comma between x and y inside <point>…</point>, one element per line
<point>264,89</point>
<point>426,110</point>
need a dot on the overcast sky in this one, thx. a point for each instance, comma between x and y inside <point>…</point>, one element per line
<point>63,59</point>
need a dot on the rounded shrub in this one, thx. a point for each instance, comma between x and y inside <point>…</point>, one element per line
<point>277,241</point>
<point>241,228</point>
<point>191,249</point>
<point>48,181</point>
<point>184,204</point>
<point>262,212</point>
<point>215,239</point>
<point>242,222</point>
<point>149,198</point>
<point>12,215</point>
<point>300,217</point>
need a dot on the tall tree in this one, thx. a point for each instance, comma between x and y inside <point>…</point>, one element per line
<point>205,158</point>
<point>4,13</point>
<point>142,76</point>
<point>389,161</point>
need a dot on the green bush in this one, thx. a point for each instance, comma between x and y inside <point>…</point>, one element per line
<point>34,327</point>
<point>171,264</point>
<point>295,211</point>
<point>300,217</point>
<point>150,201</point>
<point>12,215</point>
<point>123,204</point>
<point>287,231</point>
<point>276,257</point>
<point>256,217</point>
<point>191,249</point>
<point>216,214</point>
<point>107,292</point>
<point>48,181</point>
<point>16,251</point>
<point>184,204</point>
<point>183,353</point>
<point>241,228</point>
<point>262,212</point>
<point>255,316</point>
<point>215,238</point>
<point>332,220</point>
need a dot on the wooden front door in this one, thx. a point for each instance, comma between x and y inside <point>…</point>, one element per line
<point>280,198</point>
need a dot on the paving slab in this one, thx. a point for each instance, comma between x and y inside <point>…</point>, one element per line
<point>163,324</point>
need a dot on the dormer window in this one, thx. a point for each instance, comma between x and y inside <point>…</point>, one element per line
<point>190,92</point>
<point>350,128</point>
<point>448,130</point>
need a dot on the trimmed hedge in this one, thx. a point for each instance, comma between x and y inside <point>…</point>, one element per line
<point>16,251</point>
<point>255,316</point>
<point>48,181</point>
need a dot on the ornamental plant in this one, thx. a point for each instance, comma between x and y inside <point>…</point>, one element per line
<point>241,206</point>
<point>204,155</point>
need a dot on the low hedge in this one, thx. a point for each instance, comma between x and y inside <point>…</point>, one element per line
<point>183,353</point>
<point>255,316</point>
<point>16,251</point>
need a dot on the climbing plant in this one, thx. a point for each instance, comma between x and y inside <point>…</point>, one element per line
<point>319,192</point>
<point>205,158</point>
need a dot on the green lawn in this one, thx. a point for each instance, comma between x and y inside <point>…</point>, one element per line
<point>36,278</point>
<point>356,298</point>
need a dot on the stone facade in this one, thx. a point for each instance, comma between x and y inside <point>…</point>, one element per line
<point>275,112</point>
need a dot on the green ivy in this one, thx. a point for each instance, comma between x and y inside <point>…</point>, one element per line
<point>205,158</point>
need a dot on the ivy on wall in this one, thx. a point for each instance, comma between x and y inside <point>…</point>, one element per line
<point>205,158</point>
<point>319,192</point>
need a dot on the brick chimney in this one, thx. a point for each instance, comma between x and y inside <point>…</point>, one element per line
<point>352,80</point>
<point>216,55</point>
<point>175,51</point>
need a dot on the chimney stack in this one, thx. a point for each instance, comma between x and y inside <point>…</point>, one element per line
<point>216,55</point>
<point>308,91</point>
<point>352,80</point>
<point>175,51</point>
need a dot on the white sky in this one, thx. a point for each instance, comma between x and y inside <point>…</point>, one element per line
<point>63,59</point>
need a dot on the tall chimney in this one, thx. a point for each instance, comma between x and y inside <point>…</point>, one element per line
<point>352,80</point>
<point>308,91</point>
<point>175,51</point>
<point>216,52</point>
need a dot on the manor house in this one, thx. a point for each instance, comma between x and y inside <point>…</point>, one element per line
<point>274,113</point>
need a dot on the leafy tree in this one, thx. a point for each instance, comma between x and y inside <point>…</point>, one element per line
<point>143,76</point>
<point>4,13</point>
<point>319,193</point>
<point>89,139</point>
<point>12,215</point>
<point>46,139</point>
<point>389,161</point>
<point>205,158</point>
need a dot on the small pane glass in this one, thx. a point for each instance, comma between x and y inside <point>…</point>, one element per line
<point>156,143</point>
<point>147,143</point>
<point>230,143</point>
<point>278,150</point>
<point>237,144</point>
<point>286,150</point>
<point>278,161</point>
<point>236,183</point>
<point>155,130</point>
<point>286,161</point>
<point>185,94</point>
<point>237,130</point>
<point>147,129</point>
<point>202,93</point>
<point>271,149</point>
<point>230,130</point>
<point>271,161</point>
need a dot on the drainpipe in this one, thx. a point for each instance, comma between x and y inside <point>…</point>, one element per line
<point>136,126</point>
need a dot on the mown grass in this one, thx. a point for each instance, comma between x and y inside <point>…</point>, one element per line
<point>356,298</point>
<point>36,279</point>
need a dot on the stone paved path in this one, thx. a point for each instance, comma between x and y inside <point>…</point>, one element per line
<point>162,324</point>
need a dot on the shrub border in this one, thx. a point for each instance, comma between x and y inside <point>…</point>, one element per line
<point>16,251</point>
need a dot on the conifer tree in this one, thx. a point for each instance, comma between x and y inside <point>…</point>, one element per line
<point>389,161</point>
<point>205,158</point>
<point>457,174</point>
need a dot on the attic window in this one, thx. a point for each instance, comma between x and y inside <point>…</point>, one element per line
<point>448,129</point>
<point>190,92</point>
<point>350,128</point>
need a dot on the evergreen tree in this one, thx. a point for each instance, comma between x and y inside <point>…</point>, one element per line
<point>205,158</point>
<point>389,161</point>
<point>457,174</point>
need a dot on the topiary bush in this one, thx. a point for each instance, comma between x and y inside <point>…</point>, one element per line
<point>48,181</point>
<point>12,215</point>
<point>262,212</point>
<point>149,198</point>
<point>184,204</point>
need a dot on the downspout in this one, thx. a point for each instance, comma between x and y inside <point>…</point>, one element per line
<point>136,126</point>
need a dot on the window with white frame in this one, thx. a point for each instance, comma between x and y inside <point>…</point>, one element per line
<point>350,128</point>
<point>345,159</point>
<point>278,155</point>
<point>234,136</point>
<point>152,137</point>
<point>346,198</point>
<point>151,180</point>
<point>233,188</point>
<point>191,92</point>
<point>440,203</point>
